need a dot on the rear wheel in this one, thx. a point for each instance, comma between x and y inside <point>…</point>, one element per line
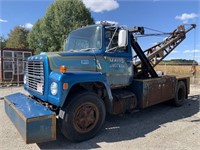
<point>84,117</point>
<point>180,96</point>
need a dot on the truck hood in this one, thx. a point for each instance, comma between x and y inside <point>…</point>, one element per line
<point>73,61</point>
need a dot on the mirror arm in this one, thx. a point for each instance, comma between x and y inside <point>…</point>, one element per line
<point>112,37</point>
<point>114,48</point>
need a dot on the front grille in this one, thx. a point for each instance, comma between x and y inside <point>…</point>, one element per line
<point>35,75</point>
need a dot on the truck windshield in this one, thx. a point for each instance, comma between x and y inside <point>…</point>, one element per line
<point>84,39</point>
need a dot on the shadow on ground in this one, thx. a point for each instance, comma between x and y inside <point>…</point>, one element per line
<point>131,126</point>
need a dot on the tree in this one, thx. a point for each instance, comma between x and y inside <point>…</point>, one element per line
<point>49,33</point>
<point>2,42</point>
<point>17,38</point>
<point>36,38</point>
<point>179,62</point>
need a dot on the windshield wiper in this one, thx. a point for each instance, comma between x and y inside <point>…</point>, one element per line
<point>87,49</point>
<point>82,50</point>
<point>71,50</point>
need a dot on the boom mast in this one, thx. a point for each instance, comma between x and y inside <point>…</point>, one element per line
<point>158,52</point>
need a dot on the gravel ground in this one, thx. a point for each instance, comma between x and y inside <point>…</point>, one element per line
<point>158,127</point>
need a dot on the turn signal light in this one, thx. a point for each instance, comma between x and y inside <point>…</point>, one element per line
<point>63,69</point>
<point>65,86</point>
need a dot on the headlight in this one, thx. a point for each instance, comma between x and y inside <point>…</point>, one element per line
<point>54,88</point>
<point>25,78</point>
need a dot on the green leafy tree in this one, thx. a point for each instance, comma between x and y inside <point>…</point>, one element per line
<point>63,16</point>
<point>2,42</point>
<point>36,38</point>
<point>17,38</point>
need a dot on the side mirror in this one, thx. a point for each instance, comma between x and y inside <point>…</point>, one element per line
<point>122,38</point>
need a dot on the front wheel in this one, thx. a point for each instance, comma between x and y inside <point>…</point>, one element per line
<point>180,96</point>
<point>84,117</point>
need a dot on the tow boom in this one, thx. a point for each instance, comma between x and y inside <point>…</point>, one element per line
<point>158,52</point>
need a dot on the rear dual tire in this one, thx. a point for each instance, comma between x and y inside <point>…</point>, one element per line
<point>180,96</point>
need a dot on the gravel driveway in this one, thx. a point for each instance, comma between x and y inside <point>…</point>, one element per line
<point>158,127</point>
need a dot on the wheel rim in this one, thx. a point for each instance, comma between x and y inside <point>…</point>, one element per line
<point>85,117</point>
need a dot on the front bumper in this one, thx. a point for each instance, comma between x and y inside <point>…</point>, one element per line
<point>35,122</point>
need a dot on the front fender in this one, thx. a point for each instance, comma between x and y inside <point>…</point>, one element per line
<point>73,78</point>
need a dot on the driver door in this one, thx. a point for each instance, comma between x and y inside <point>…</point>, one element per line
<point>119,67</point>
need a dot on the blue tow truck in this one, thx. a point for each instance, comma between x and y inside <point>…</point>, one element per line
<point>102,70</point>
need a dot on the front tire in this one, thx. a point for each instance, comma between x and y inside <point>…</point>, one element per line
<point>84,117</point>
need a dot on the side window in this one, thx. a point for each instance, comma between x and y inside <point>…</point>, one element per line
<point>111,43</point>
<point>112,40</point>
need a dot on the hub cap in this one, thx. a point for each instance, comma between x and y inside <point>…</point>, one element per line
<point>85,117</point>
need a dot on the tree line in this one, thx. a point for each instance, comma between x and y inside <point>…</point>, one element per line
<point>179,62</point>
<point>50,32</point>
